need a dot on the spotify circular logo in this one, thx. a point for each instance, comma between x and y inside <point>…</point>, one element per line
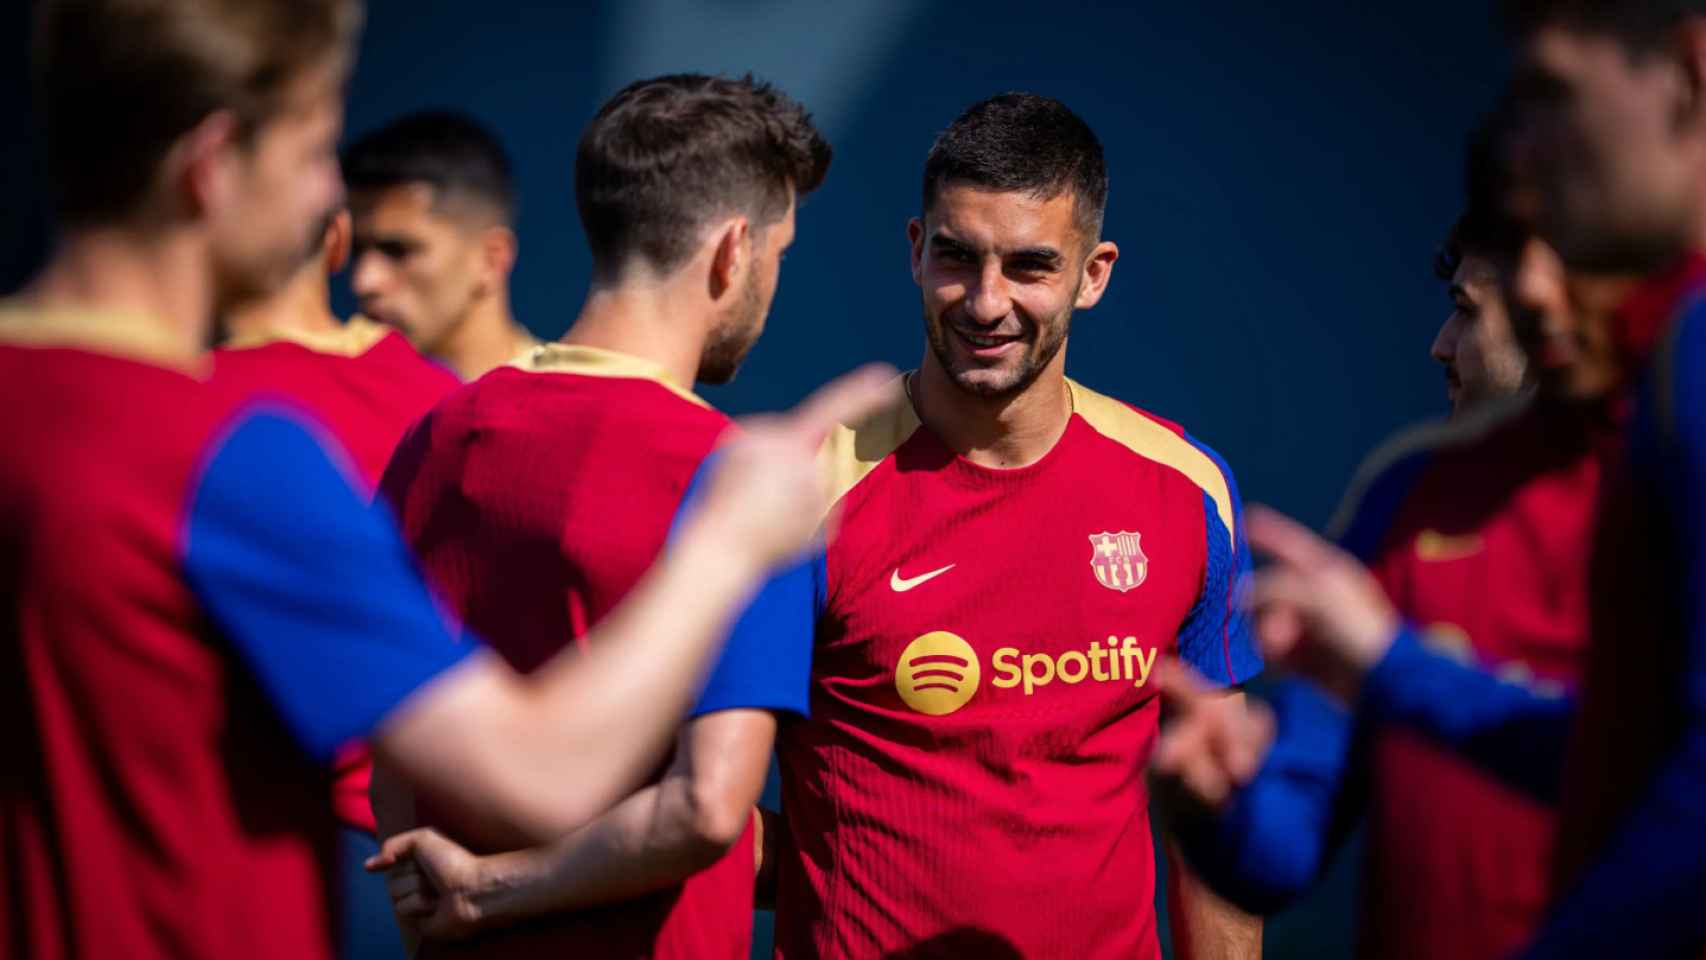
<point>937,673</point>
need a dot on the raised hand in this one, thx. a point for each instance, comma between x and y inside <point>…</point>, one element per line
<point>1317,611</point>
<point>1212,744</point>
<point>766,493</point>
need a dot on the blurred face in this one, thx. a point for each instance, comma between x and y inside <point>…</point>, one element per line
<point>1001,274</point>
<point>1476,345</point>
<point>417,267</point>
<point>735,335</point>
<point>284,182</point>
<point>1607,138</point>
<point>1563,324</point>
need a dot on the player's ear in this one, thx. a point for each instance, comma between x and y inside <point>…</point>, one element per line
<point>336,243</point>
<point>1098,268</point>
<point>731,255</point>
<point>201,169</point>
<point>915,236</point>
<point>498,245</point>
<point>1691,59</point>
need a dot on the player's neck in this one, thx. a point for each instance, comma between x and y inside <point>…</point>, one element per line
<point>641,320</point>
<point>488,338</point>
<point>163,280</point>
<point>998,432</point>
<point>300,308</point>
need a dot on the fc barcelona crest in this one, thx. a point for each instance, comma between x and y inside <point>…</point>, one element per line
<point>1118,560</point>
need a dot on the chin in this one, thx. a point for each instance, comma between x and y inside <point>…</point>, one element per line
<point>989,383</point>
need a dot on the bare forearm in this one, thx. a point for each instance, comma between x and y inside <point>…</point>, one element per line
<point>537,757</point>
<point>393,802</point>
<point>643,844</point>
<point>1205,927</point>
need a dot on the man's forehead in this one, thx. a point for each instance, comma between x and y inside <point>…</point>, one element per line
<point>1001,218</point>
<point>1563,49</point>
<point>1476,269</point>
<point>400,199</point>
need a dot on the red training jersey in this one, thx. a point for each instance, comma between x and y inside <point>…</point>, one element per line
<point>971,782</point>
<point>366,385</point>
<point>151,804</point>
<point>1480,532</point>
<point>536,497</point>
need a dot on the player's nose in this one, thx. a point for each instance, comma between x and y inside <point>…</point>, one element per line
<point>367,280</point>
<point>989,301</point>
<point>1444,349</point>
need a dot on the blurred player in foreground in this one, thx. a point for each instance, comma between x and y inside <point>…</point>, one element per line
<point>1016,553</point>
<point>434,205</point>
<point>199,609</point>
<point>537,497</point>
<point>1613,134</point>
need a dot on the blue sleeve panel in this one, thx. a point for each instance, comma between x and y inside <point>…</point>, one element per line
<point>1642,897</point>
<point>316,591</point>
<point>766,663</point>
<point>1279,833</point>
<point>1510,731</point>
<point>1216,637</point>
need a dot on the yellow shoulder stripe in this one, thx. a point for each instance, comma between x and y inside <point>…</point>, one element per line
<point>850,453</point>
<point>1154,441</point>
<point>595,362</point>
<point>1418,438</point>
<point>350,339</point>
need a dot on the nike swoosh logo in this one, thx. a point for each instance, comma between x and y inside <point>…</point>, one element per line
<point>900,584</point>
<point>1437,547</point>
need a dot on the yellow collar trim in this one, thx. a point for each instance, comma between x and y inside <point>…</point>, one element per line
<point>596,362</point>
<point>127,334</point>
<point>352,339</point>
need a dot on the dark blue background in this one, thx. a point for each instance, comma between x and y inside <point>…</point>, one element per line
<point>1281,175</point>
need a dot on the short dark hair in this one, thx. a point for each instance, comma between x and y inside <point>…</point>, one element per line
<point>1485,228</point>
<point>1641,25</point>
<point>117,82</point>
<point>664,156</point>
<point>1023,142</point>
<point>452,152</point>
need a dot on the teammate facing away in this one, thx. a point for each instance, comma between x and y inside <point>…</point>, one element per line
<point>537,496</point>
<point>434,204</point>
<point>1016,551</point>
<point>172,613</point>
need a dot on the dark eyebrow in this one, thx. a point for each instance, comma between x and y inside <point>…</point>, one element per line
<point>1043,255</point>
<point>941,242</point>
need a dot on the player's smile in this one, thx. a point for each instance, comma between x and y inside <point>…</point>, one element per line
<point>990,346</point>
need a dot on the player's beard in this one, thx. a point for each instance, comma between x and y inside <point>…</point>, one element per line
<point>730,341</point>
<point>1049,339</point>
